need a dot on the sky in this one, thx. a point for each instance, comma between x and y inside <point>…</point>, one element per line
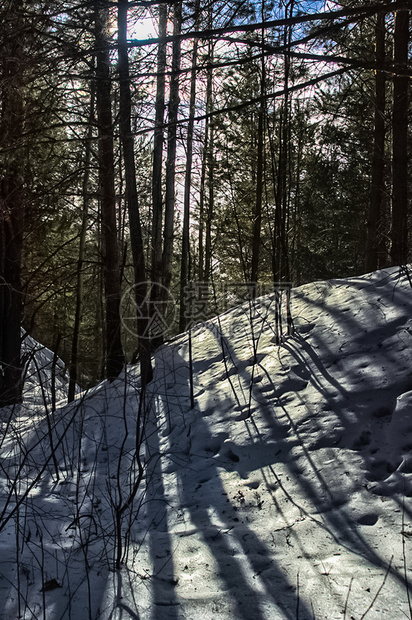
<point>146,28</point>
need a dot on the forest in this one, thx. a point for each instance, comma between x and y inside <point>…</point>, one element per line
<point>205,310</point>
<point>161,160</point>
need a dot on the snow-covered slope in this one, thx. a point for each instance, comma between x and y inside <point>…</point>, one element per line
<point>286,492</point>
<point>40,366</point>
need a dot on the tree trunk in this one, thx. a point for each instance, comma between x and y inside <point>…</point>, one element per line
<point>399,249</point>
<point>168,234</point>
<point>373,236</point>
<point>114,350</point>
<point>82,244</point>
<point>11,301</point>
<point>202,195</point>
<point>280,261</point>
<point>156,268</point>
<point>257,219</point>
<point>210,168</point>
<point>185,264</point>
<point>131,197</point>
<point>11,227</point>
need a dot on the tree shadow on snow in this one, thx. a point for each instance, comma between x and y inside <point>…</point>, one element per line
<point>231,542</point>
<point>273,447</point>
<point>374,364</point>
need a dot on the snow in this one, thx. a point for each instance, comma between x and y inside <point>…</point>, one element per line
<point>286,492</point>
<point>39,366</point>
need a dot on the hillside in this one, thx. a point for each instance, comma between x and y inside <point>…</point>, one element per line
<point>286,492</point>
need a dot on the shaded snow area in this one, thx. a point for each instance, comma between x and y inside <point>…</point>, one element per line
<point>285,493</point>
<point>45,385</point>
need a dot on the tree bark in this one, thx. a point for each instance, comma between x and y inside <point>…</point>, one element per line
<point>11,301</point>
<point>280,261</point>
<point>185,262</point>
<point>156,267</point>
<point>131,197</point>
<point>82,244</point>
<point>170,199</point>
<point>374,248</point>
<point>202,196</point>
<point>11,224</point>
<point>399,234</point>
<point>257,219</point>
<point>210,167</point>
<point>114,352</point>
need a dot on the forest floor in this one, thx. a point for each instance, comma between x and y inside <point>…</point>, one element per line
<point>284,493</point>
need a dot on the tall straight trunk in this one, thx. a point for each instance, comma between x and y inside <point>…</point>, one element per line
<point>285,163</point>
<point>210,168</point>
<point>131,195</point>
<point>280,262</point>
<point>156,268</point>
<point>210,205</point>
<point>257,216</point>
<point>114,350</point>
<point>80,261</point>
<point>374,238</point>
<point>399,249</point>
<point>185,263</point>
<point>170,199</point>
<point>11,229</point>
<point>296,216</point>
<point>202,196</point>
<point>11,300</point>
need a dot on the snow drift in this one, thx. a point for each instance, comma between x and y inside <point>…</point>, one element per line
<point>285,493</point>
